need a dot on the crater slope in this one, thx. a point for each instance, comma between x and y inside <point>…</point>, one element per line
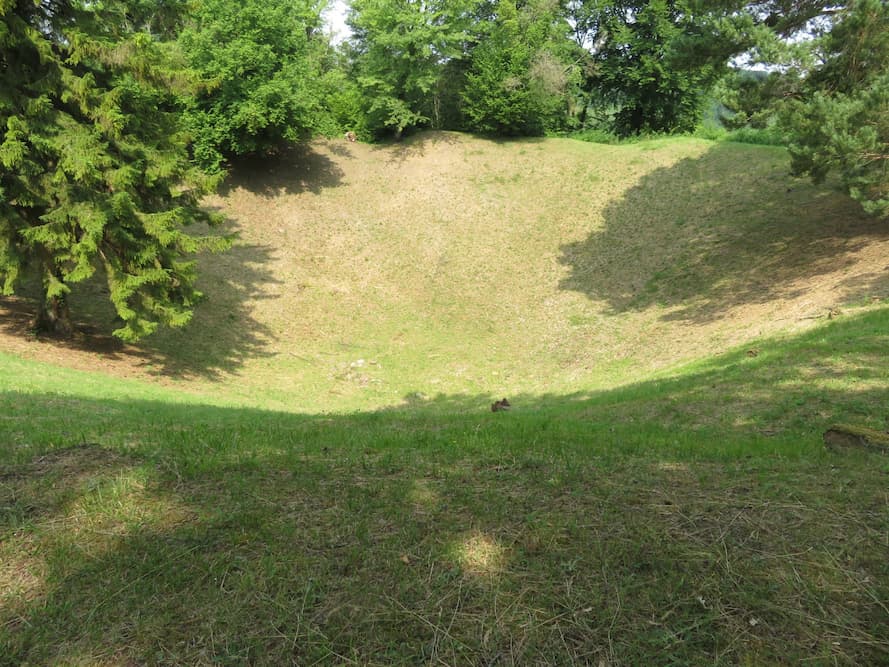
<point>367,276</point>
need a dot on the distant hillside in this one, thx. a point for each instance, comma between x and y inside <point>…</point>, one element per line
<point>374,275</point>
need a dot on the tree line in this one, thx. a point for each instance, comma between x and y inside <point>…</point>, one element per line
<point>117,117</point>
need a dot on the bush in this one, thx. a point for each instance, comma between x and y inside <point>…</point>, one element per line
<point>260,68</point>
<point>595,136</point>
<point>767,136</point>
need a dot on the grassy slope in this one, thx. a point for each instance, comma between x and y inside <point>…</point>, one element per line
<point>689,520</point>
<point>631,509</point>
<point>374,276</point>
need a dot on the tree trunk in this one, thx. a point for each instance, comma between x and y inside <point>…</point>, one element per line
<point>637,120</point>
<point>54,317</point>
<point>436,112</point>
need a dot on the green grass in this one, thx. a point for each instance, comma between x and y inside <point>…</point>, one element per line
<point>311,473</point>
<point>365,275</point>
<point>596,136</point>
<point>767,136</point>
<point>692,519</point>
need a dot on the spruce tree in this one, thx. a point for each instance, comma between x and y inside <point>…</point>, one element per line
<point>94,173</point>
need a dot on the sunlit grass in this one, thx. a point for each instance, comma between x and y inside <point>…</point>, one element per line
<point>480,555</point>
<point>696,514</point>
<point>312,474</point>
<point>368,276</point>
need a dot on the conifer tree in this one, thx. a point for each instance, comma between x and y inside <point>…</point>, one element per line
<point>839,120</point>
<point>94,175</point>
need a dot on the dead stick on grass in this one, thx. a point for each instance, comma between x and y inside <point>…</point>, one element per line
<point>876,643</point>
<point>302,613</point>
<point>858,584</point>
<point>435,637</point>
<point>728,526</point>
<point>568,649</point>
<point>425,620</point>
<point>261,499</point>
<point>709,618</point>
<point>457,608</point>
<point>862,637</point>
<point>331,652</point>
<point>135,581</point>
<point>16,619</point>
<point>794,554</point>
<point>613,618</point>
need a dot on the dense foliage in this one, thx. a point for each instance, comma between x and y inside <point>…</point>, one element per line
<point>518,80</point>
<point>401,48</point>
<point>260,64</point>
<point>642,68</point>
<point>109,111</point>
<point>839,119</point>
<point>94,173</point>
<point>829,100</point>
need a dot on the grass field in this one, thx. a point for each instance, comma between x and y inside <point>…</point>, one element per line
<point>311,474</point>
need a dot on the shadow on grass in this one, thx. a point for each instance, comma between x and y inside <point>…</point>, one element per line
<point>719,232</point>
<point>620,527</point>
<point>217,340</point>
<point>293,170</point>
<point>340,147</point>
<point>223,333</point>
<point>416,145</point>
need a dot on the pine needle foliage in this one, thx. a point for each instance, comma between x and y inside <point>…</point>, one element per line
<point>839,121</point>
<point>94,173</point>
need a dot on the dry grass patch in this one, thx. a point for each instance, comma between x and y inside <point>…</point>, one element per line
<point>480,555</point>
<point>71,504</point>
<point>451,264</point>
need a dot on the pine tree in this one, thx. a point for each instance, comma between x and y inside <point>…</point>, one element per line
<point>839,120</point>
<point>94,174</point>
